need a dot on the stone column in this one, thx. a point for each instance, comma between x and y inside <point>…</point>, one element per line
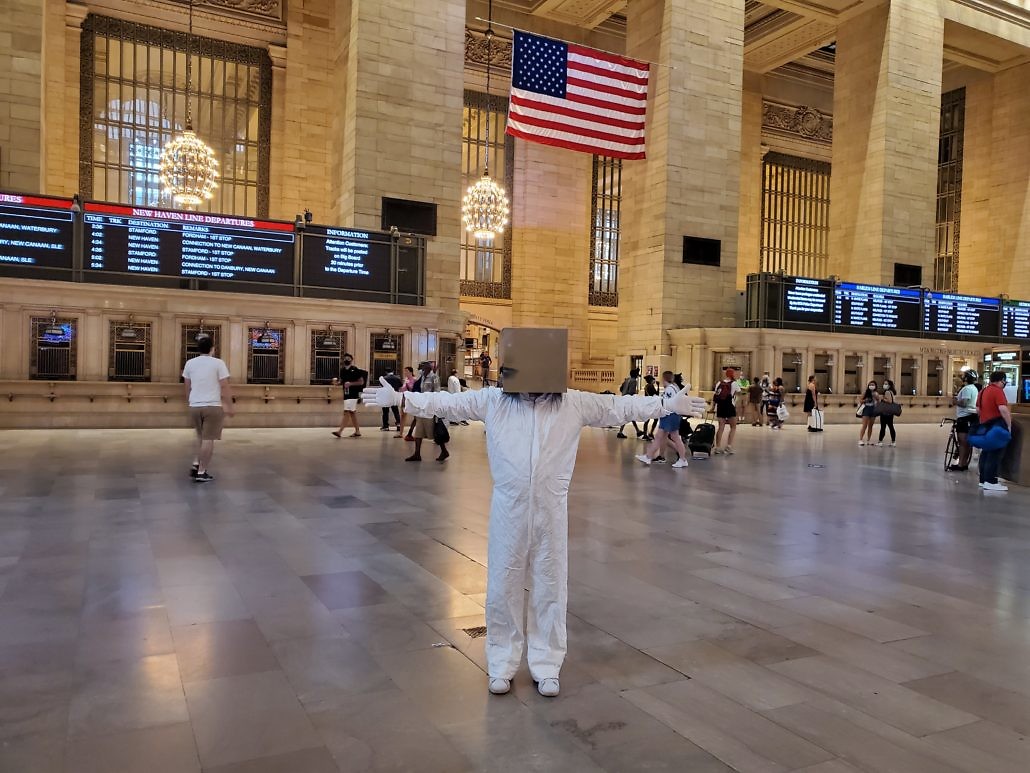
<point>551,242</point>
<point>886,121</point>
<point>751,155</point>
<point>280,200</point>
<point>401,121</point>
<point>689,182</point>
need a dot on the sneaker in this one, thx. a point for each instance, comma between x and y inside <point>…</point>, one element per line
<point>548,688</point>
<point>643,459</point>
<point>193,470</point>
<point>894,445</point>
<point>717,451</point>
<point>384,429</point>
<point>337,433</point>
<point>957,468</point>
<point>995,487</point>
<point>499,686</point>
<point>729,450</point>
<point>679,464</point>
<point>659,460</point>
<point>880,444</point>
<point>861,442</point>
<point>203,477</point>
<point>621,435</point>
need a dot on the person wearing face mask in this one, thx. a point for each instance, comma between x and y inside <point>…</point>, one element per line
<point>352,379</point>
<point>887,419</point>
<point>867,412</point>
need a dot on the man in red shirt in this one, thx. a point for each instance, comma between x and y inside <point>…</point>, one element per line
<point>993,408</point>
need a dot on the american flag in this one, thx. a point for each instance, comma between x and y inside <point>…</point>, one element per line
<point>577,97</point>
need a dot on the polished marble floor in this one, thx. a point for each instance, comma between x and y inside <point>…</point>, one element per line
<point>805,605</point>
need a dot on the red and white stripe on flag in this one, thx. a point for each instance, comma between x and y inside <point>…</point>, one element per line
<point>578,98</point>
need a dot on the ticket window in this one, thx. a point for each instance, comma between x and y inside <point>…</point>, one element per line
<point>935,377</point>
<point>191,336</point>
<point>53,352</point>
<point>791,371</point>
<point>387,356</point>
<point>266,356</point>
<point>1008,363</point>
<point>129,351</point>
<point>448,358</point>
<point>824,365</point>
<point>327,348</point>
<point>909,376</point>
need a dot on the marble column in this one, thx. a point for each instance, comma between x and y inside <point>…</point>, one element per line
<point>886,121</point>
<point>689,182</point>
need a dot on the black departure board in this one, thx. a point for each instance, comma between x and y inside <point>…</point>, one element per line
<point>189,245</point>
<point>946,314</point>
<point>807,301</point>
<point>35,232</point>
<point>346,259</point>
<point>875,308</point>
<point>1015,320</point>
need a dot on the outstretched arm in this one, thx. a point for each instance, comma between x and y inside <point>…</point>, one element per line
<point>614,410</point>
<point>458,406</point>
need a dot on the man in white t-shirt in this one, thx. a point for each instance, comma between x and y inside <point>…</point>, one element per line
<point>965,417</point>
<point>207,390</point>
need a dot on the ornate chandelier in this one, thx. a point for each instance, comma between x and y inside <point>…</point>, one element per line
<point>188,168</point>
<point>485,209</point>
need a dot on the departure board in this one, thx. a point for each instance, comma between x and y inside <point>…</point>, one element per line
<point>35,232</point>
<point>346,259</point>
<point>946,314</point>
<point>1015,320</point>
<point>874,308</point>
<point>188,245</point>
<point>807,301</point>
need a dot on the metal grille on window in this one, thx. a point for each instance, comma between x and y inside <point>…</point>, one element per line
<point>949,189</point>
<point>387,356</point>
<point>128,356</point>
<point>327,347</point>
<point>795,215</point>
<point>191,334</point>
<point>265,356</point>
<point>486,266</point>
<point>52,355</point>
<point>133,100</point>
<point>604,235</point>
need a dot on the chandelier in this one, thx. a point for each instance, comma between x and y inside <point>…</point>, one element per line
<point>485,209</point>
<point>188,168</point>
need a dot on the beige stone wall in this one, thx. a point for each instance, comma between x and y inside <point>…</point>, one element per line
<point>402,111</point>
<point>21,111</point>
<point>994,235</point>
<point>550,246</point>
<point>750,237</point>
<point>690,181</point>
<point>886,122</point>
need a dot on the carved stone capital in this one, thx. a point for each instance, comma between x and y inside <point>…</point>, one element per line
<point>266,9</point>
<point>476,50</point>
<point>798,121</point>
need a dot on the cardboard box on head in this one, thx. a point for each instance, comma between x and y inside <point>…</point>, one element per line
<point>534,359</point>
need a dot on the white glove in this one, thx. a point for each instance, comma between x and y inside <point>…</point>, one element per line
<point>683,404</point>
<point>383,397</point>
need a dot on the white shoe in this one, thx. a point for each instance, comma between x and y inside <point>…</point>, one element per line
<point>499,686</point>
<point>879,445</point>
<point>680,463</point>
<point>643,459</point>
<point>728,450</point>
<point>548,687</point>
<point>718,451</point>
<point>981,485</point>
<point>995,487</point>
<point>893,445</point>
<point>861,442</point>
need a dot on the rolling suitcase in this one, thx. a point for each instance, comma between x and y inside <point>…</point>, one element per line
<point>702,439</point>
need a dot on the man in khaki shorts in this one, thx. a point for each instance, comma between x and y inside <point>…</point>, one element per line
<point>206,379</point>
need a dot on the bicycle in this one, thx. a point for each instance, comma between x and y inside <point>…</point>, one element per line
<point>951,450</point>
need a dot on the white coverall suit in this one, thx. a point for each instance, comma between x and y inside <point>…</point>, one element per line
<point>531,445</point>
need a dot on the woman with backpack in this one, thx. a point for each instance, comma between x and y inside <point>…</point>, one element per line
<point>726,409</point>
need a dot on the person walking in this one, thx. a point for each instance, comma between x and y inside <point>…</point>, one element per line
<point>773,400</point>
<point>484,367</point>
<point>993,408</point>
<point>630,385</point>
<point>668,429</point>
<point>812,407</point>
<point>209,396</point>
<point>965,417</point>
<point>454,386</point>
<point>397,383</point>
<point>887,397</point>
<point>425,427</point>
<point>867,412</point>
<point>650,390</point>
<point>352,379</point>
<point>755,394</point>
<point>407,384</point>
<point>726,409</point>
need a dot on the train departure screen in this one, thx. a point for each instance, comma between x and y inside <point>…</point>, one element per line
<point>877,308</point>
<point>1015,320</point>
<point>946,314</point>
<point>35,232</point>
<point>807,301</point>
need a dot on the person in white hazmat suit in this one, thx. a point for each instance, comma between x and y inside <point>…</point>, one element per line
<point>533,429</point>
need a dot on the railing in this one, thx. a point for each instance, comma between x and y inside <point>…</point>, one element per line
<point>592,375</point>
